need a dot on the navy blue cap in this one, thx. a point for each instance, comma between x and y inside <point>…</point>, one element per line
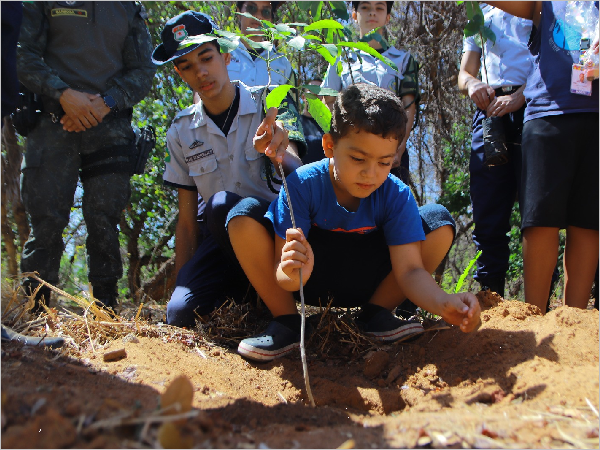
<point>182,28</point>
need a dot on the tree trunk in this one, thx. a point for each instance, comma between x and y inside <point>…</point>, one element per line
<point>12,156</point>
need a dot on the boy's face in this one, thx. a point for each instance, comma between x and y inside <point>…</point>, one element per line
<point>205,70</point>
<point>371,15</point>
<point>362,162</point>
<point>260,10</point>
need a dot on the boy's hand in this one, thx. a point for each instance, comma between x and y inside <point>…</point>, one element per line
<point>295,254</point>
<point>271,138</point>
<point>462,309</point>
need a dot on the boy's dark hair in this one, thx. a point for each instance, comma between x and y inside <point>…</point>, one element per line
<point>370,109</point>
<point>389,6</point>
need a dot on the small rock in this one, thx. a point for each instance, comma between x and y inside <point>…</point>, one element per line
<point>115,355</point>
<point>394,373</point>
<point>131,338</point>
<point>376,364</point>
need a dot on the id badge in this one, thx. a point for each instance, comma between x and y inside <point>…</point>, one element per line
<point>579,82</point>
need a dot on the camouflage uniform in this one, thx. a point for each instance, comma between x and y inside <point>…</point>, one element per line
<point>93,47</point>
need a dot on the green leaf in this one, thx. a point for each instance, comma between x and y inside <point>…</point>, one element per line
<point>227,45</point>
<point>297,43</point>
<point>364,47</point>
<point>470,29</point>
<point>305,6</point>
<point>489,34</point>
<point>284,28</point>
<point>265,45</point>
<point>320,113</point>
<point>277,95</point>
<point>324,24</point>
<point>339,68</point>
<point>340,10</point>
<point>464,275</point>
<point>373,34</point>
<point>316,9</point>
<point>469,10</point>
<point>318,90</point>
<point>327,51</point>
<point>312,37</point>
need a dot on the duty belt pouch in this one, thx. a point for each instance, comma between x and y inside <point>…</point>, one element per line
<point>29,109</point>
<point>145,140</point>
<point>494,142</point>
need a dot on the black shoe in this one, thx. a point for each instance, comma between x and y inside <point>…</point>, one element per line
<point>276,341</point>
<point>386,327</point>
<point>51,342</point>
<point>406,310</point>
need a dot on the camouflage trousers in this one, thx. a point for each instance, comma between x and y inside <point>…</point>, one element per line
<point>51,167</point>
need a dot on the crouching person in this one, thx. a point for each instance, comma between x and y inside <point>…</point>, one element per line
<point>224,149</point>
<point>359,238</point>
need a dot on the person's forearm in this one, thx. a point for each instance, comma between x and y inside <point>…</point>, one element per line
<point>422,290</point>
<point>186,244</point>
<point>464,80</point>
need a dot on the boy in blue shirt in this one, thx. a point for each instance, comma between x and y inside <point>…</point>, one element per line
<point>359,238</point>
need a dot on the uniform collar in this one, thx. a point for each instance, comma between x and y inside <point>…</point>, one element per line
<point>247,106</point>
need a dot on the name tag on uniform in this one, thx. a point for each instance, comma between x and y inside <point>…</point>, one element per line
<point>197,156</point>
<point>61,12</point>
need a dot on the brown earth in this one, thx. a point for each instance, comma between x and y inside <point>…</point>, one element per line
<point>523,380</point>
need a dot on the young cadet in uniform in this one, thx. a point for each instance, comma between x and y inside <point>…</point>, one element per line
<point>359,238</point>
<point>494,188</point>
<point>223,148</point>
<point>90,63</point>
<point>404,82</point>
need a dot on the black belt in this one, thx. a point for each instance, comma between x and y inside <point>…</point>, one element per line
<point>506,90</point>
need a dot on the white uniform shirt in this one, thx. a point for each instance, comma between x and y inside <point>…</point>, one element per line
<point>201,157</point>
<point>372,70</point>
<point>508,60</point>
<point>254,72</point>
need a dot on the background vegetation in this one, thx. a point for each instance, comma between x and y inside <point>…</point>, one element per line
<point>439,150</point>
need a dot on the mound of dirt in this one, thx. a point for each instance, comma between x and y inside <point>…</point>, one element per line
<point>523,380</point>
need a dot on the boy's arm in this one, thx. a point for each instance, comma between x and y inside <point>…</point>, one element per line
<point>457,309</point>
<point>186,231</point>
<point>290,255</point>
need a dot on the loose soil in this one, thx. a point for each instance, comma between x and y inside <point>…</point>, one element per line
<point>523,380</point>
